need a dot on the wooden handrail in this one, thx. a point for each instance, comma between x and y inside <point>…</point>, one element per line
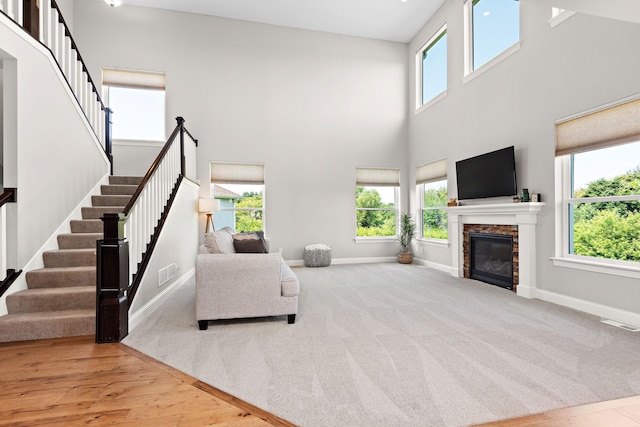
<point>156,164</point>
<point>12,275</point>
<point>10,195</point>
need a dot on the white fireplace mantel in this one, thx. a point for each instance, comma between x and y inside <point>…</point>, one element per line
<point>524,215</point>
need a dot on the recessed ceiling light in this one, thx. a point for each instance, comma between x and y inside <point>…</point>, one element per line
<point>113,3</point>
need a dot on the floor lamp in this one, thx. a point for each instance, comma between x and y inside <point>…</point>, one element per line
<point>209,206</point>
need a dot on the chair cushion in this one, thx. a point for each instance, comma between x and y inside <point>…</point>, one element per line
<point>289,282</point>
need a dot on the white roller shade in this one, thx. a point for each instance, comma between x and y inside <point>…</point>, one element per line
<point>605,127</point>
<point>378,177</point>
<point>431,172</point>
<point>237,173</point>
<point>133,79</point>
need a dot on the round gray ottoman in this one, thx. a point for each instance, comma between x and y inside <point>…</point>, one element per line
<point>317,255</point>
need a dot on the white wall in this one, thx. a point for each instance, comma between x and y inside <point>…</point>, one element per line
<point>584,62</point>
<point>180,231</point>
<point>50,154</point>
<point>312,106</point>
<point>133,158</point>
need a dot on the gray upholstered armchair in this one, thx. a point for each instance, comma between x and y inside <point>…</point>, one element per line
<point>240,285</point>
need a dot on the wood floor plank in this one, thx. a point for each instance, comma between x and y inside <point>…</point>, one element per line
<point>73,381</point>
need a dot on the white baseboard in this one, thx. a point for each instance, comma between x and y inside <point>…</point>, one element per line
<point>436,266</point>
<point>145,311</point>
<point>604,311</point>
<point>338,261</point>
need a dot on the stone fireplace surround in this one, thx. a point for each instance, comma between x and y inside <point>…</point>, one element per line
<point>522,215</point>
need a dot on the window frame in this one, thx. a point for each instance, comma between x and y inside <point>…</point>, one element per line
<point>431,42</point>
<point>422,209</point>
<point>564,176</point>
<point>136,80</point>
<point>396,209</point>
<point>469,71</point>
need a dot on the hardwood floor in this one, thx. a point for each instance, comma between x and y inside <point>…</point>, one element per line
<point>73,381</point>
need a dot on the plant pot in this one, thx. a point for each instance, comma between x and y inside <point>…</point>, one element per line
<point>405,257</point>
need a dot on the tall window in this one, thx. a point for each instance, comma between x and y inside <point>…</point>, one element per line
<point>599,161</point>
<point>431,61</point>
<point>137,99</point>
<point>377,202</point>
<point>240,189</point>
<point>431,182</point>
<point>492,26</point>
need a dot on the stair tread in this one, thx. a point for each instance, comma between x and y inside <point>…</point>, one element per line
<point>45,315</point>
<point>64,269</point>
<point>52,291</point>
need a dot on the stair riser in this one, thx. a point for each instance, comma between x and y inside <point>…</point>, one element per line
<point>24,302</point>
<point>87,226</point>
<point>110,200</point>
<point>55,259</point>
<point>125,180</point>
<point>98,212</point>
<point>78,240</point>
<point>39,279</point>
<point>109,190</point>
<point>18,329</point>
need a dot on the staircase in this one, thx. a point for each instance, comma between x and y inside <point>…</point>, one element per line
<point>61,297</point>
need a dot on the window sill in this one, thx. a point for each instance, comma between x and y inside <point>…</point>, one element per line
<point>597,266</point>
<point>498,59</point>
<point>433,242</point>
<point>433,101</point>
<point>556,20</point>
<point>138,143</point>
<point>390,239</point>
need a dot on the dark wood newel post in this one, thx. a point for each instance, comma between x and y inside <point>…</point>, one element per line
<point>31,17</point>
<point>108,146</point>
<point>112,314</point>
<point>183,163</point>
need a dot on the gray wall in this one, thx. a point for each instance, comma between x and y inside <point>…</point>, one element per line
<point>311,106</point>
<point>584,62</point>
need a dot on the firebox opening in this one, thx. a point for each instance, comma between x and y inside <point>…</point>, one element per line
<point>491,259</point>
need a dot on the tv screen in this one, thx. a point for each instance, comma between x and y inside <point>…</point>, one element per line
<point>488,175</point>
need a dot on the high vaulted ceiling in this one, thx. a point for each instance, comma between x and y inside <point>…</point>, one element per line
<point>393,20</point>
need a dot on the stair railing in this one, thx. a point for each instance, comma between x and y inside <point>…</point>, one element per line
<point>47,25</point>
<point>8,195</point>
<point>130,236</point>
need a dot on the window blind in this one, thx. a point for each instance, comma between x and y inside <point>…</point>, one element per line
<point>602,128</point>
<point>378,177</point>
<point>237,173</point>
<point>431,172</point>
<point>133,79</point>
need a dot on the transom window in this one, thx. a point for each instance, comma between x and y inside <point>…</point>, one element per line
<point>431,182</point>
<point>598,161</point>
<point>492,26</point>
<point>431,68</point>
<point>240,189</point>
<point>377,203</point>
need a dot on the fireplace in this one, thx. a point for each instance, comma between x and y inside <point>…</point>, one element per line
<point>491,259</point>
<point>490,253</point>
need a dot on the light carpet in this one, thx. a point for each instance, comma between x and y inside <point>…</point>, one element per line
<point>399,345</point>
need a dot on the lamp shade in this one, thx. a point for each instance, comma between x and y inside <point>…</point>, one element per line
<point>208,205</point>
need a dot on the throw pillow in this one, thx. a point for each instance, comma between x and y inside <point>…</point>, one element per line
<point>219,242</point>
<point>248,243</point>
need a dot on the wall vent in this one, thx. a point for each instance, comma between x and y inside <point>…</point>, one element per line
<point>166,274</point>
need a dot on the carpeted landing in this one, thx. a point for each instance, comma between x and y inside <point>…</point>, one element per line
<point>399,345</point>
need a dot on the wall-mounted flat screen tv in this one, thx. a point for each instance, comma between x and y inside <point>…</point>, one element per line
<point>488,175</point>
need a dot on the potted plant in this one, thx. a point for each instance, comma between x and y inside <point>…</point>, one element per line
<point>407,232</point>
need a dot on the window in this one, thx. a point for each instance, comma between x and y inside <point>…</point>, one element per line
<point>240,189</point>
<point>431,61</point>
<point>137,99</point>
<point>492,26</point>
<point>559,15</point>
<point>377,202</point>
<point>431,182</point>
<point>599,171</point>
